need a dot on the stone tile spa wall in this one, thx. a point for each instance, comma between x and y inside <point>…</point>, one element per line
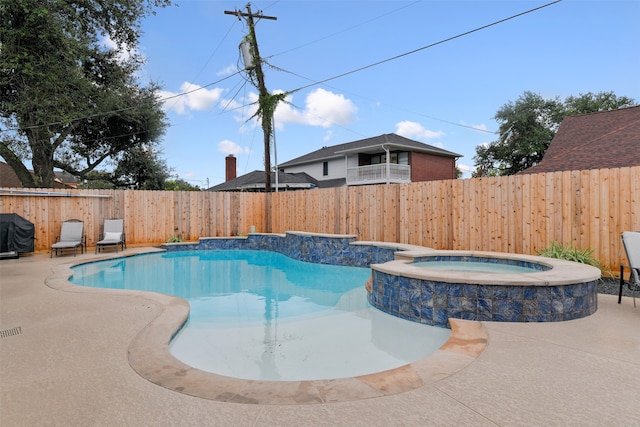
<point>309,247</point>
<point>433,302</point>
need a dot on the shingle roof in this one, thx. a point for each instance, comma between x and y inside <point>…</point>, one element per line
<point>8,177</point>
<point>373,144</point>
<point>255,181</point>
<point>332,183</point>
<point>606,139</point>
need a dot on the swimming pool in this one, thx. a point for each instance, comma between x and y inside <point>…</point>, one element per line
<point>480,265</point>
<point>261,315</point>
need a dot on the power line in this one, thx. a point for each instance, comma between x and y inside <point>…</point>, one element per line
<point>364,97</point>
<point>322,82</point>
<point>345,30</point>
<point>427,46</point>
<point>91,116</point>
<point>315,83</point>
<point>209,59</point>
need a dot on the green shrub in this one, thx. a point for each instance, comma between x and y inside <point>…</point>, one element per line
<point>569,253</point>
<point>174,239</point>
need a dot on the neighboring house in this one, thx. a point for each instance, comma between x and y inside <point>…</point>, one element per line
<point>387,158</point>
<point>66,179</point>
<point>9,179</point>
<point>254,181</point>
<point>602,140</point>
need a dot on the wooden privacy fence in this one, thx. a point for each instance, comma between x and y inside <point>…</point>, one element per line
<point>516,214</point>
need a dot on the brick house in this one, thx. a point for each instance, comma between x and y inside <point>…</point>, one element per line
<point>382,159</point>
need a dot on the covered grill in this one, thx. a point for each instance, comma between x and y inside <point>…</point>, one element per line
<point>16,235</point>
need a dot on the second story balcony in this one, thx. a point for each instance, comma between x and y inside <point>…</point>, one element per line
<point>379,174</point>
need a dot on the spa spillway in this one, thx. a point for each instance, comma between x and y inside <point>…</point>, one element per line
<point>432,286</point>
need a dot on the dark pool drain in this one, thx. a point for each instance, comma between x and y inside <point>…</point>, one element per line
<point>11,332</point>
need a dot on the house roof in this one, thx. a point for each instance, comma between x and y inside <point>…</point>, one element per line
<point>332,183</point>
<point>66,178</point>
<point>606,139</point>
<point>254,181</point>
<point>8,178</point>
<point>368,145</point>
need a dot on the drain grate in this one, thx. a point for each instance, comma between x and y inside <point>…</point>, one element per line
<point>11,332</point>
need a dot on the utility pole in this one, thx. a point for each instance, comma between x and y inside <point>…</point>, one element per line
<point>265,106</point>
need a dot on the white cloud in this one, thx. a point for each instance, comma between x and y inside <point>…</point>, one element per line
<point>124,53</point>
<point>480,127</point>
<point>465,168</point>
<point>191,97</point>
<point>229,147</point>
<point>106,40</point>
<point>414,130</point>
<point>322,108</point>
<point>227,71</point>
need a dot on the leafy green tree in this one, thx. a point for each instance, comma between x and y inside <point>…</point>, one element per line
<point>68,101</point>
<point>592,103</point>
<point>526,129</point>
<point>140,168</point>
<point>179,185</point>
<point>528,125</point>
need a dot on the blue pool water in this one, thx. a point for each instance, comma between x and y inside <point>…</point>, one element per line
<point>475,267</point>
<point>261,315</point>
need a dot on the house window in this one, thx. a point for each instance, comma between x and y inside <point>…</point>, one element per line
<point>378,158</point>
<point>396,157</point>
<point>325,168</point>
<point>403,158</point>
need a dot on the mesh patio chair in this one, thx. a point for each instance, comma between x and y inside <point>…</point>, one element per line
<point>112,236</point>
<point>631,244</point>
<point>71,237</point>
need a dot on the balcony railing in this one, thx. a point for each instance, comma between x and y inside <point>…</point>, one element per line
<point>376,174</point>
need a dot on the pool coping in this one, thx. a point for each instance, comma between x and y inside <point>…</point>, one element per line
<point>561,272</point>
<point>149,356</point>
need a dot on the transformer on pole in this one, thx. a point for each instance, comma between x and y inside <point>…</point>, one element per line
<point>253,64</point>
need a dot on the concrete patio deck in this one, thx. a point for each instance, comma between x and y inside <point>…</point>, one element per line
<point>64,361</point>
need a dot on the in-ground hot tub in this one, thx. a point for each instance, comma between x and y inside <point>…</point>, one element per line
<point>432,286</point>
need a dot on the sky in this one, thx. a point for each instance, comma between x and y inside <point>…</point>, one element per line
<point>358,69</point>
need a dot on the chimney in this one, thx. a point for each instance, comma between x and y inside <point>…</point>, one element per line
<point>230,163</point>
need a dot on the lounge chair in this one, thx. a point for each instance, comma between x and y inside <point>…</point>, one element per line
<point>71,237</point>
<point>113,235</point>
<point>631,244</point>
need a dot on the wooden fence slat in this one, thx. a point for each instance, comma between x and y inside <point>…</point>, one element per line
<point>517,214</point>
